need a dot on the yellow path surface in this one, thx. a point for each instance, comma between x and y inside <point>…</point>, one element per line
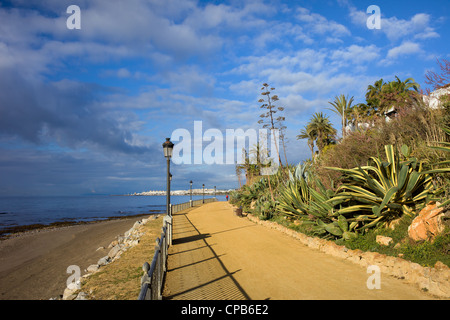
<point>217,255</point>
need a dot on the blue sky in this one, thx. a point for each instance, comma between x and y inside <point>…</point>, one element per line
<point>86,111</point>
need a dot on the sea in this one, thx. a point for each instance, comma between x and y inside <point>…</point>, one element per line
<point>24,211</point>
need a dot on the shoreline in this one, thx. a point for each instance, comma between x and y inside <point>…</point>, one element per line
<point>33,264</point>
<point>16,231</point>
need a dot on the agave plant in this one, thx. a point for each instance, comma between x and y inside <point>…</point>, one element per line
<point>339,228</point>
<point>383,191</point>
<point>302,171</point>
<point>444,146</point>
<point>305,198</point>
<point>265,207</point>
<point>295,197</point>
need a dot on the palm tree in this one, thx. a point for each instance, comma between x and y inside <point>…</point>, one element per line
<point>322,129</point>
<point>411,83</point>
<point>382,96</point>
<point>404,86</point>
<point>342,107</point>
<point>373,92</point>
<point>307,133</point>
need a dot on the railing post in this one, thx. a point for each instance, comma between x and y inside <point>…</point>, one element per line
<point>145,283</point>
<point>168,220</point>
<point>155,286</point>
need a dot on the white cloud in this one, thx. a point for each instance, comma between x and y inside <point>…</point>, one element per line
<point>356,54</point>
<point>188,79</point>
<point>123,73</point>
<point>226,17</point>
<point>405,48</point>
<point>417,27</point>
<point>320,25</point>
<point>305,59</point>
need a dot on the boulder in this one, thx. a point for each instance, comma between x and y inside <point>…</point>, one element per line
<point>69,292</point>
<point>113,243</point>
<point>384,241</point>
<point>128,233</point>
<point>428,223</point>
<point>82,296</point>
<point>112,253</point>
<point>92,268</point>
<point>103,261</point>
<point>137,224</point>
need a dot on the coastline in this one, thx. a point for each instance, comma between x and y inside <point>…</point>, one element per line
<point>33,264</point>
<point>16,231</point>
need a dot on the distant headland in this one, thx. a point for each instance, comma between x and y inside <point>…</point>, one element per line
<point>196,192</point>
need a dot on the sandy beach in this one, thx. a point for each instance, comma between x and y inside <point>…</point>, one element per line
<point>33,265</point>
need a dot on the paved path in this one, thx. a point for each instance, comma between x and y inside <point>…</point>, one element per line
<point>217,255</point>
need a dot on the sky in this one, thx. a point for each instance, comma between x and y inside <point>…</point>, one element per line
<point>86,110</point>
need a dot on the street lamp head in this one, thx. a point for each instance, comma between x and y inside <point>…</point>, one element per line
<point>168,148</point>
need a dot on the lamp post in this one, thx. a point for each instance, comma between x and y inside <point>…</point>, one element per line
<point>203,193</point>
<point>168,148</point>
<point>190,201</point>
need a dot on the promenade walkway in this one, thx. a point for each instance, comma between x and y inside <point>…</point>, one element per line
<point>217,255</point>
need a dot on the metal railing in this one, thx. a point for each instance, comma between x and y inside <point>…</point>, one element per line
<point>153,279</point>
<point>186,205</point>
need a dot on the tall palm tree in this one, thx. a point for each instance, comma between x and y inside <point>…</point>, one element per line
<point>342,106</point>
<point>411,83</point>
<point>382,96</point>
<point>404,86</point>
<point>373,92</point>
<point>307,133</point>
<point>322,129</point>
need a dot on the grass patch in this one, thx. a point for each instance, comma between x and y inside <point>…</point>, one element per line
<point>296,226</point>
<point>425,253</point>
<point>121,279</point>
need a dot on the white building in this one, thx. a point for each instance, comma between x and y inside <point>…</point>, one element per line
<point>433,100</point>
